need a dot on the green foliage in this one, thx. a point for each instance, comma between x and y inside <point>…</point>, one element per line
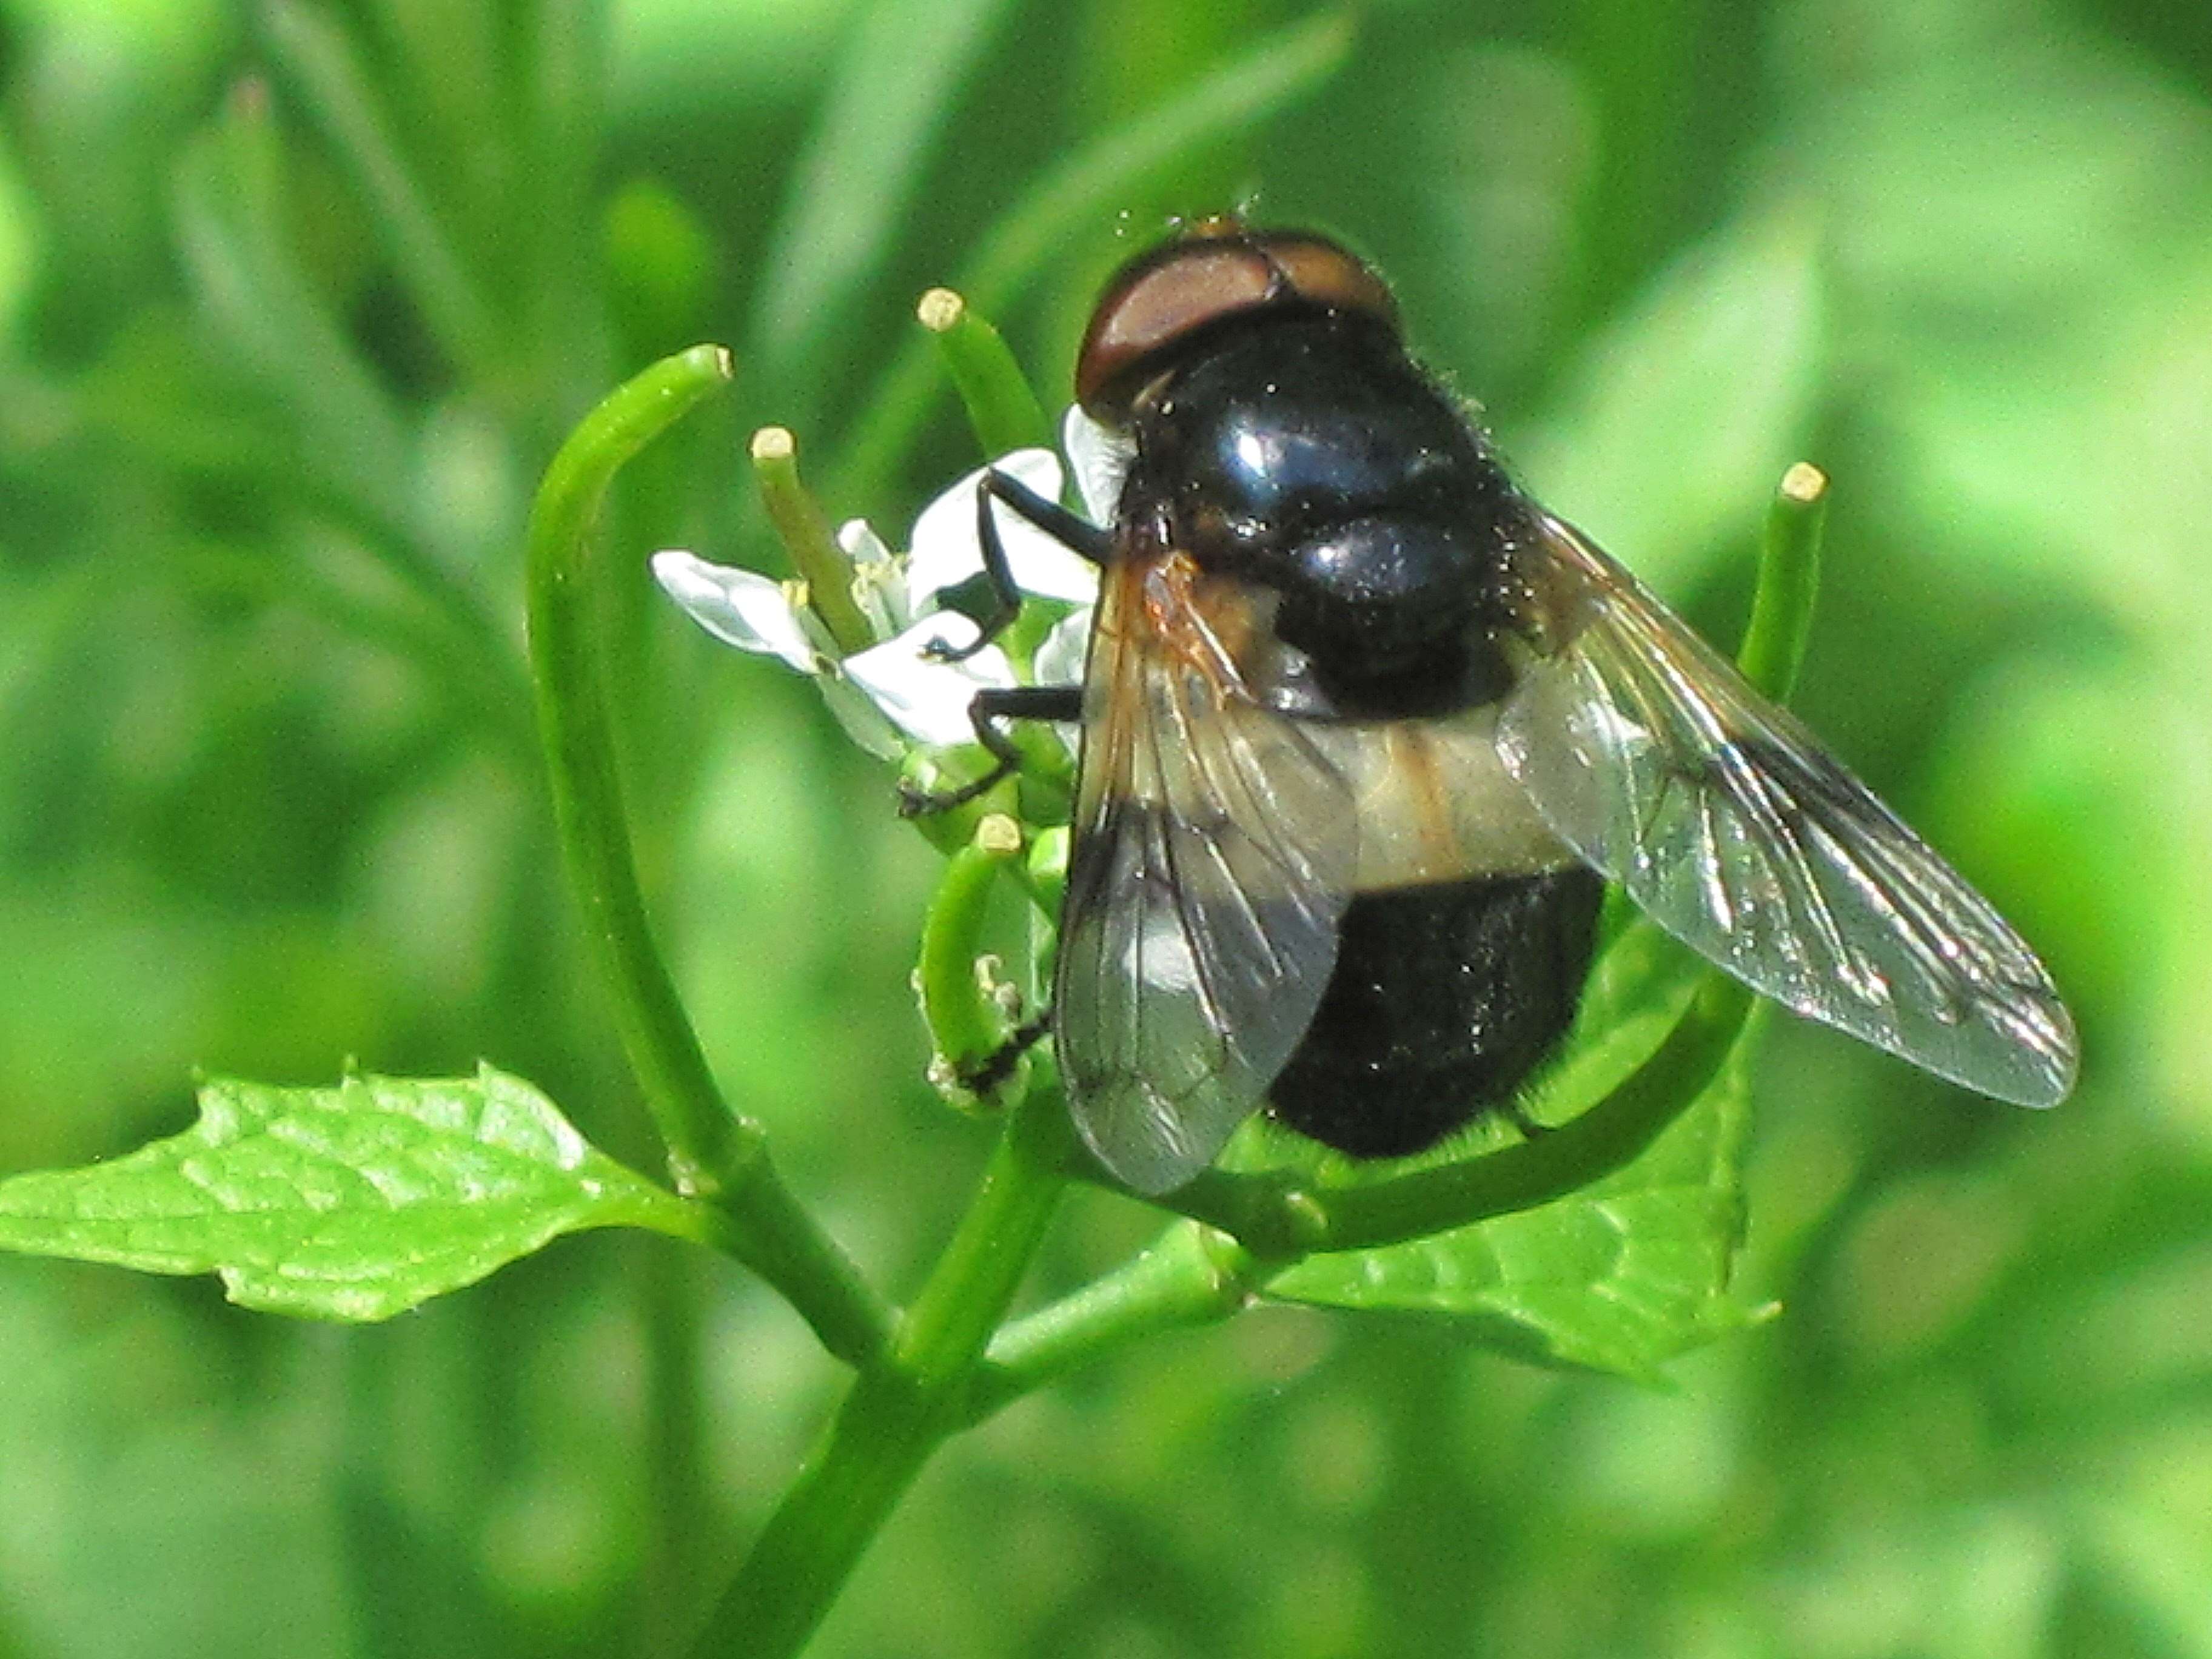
<point>1621,1276</point>
<point>356,1202</point>
<point>1727,346</point>
<point>893,92</point>
<point>298,300</point>
<point>1060,204</point>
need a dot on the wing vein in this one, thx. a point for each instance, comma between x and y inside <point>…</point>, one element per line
<point>1728,823</point>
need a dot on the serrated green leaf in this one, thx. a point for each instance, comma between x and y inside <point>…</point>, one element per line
<point>1637,990</point>
<point>1691,406</point>
<point>1620,1278</point>
<point>355,1203</point>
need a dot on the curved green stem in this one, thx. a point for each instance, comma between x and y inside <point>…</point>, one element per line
<point>713,1153</point>
<point>1788,579</point>
<point>1244,1230</point>
<point>706,1142</point>
<point>1191,1275</point>
<point>964,1027</point>
<point>902,1406</point>
<point>1279,1216</point>
<point>1003,412</point>
<point>1195,1275</point>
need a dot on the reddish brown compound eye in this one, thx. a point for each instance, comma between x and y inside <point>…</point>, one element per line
<point>1165,297</point>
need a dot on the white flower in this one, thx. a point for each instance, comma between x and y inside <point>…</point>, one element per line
<point>894,693</point>
<point>1101,458</point>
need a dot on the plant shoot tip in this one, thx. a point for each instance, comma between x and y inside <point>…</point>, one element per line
<point>1804,483</point>
<point>940,309</point>
<point>999,835</point>
<point>774,443</point>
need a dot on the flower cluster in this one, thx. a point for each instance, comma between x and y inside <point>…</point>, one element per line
<point>900,691</point>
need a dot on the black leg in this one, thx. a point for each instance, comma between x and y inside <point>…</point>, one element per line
<point>1085,539</point>
<point>1077,535</point>
<point>990,706</point>
<point>996,1068</point>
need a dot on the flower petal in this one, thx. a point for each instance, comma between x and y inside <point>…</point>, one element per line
<point>946,551</point>
<point>864,722</point>
<point>926,699</point>
<point>1100,457</point>
<point>861,543</point>
<point>879,584</point>
<point>740,607</point>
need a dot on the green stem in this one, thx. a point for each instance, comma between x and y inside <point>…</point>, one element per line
<point>1788,578</point>
<point>963,1025</point>
<point>705,1140</point>
<point>804,528</point>
<point>1191,1275</point>
<point>1002,410</point>
<point>1278,1216</point>
<point>1594,1144</point>
<point>882,1435</point>
<point>713,1153</point>
<point>901,1409</point>
<point>975,1278</point>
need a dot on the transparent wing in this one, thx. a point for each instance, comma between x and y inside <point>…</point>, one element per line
<point>1728,824</point>
<point>1214,850</point>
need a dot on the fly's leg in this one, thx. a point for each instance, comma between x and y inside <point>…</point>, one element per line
<point>1019,702</point>
<point>1078,536</point>
<point>996,1068</point>
<point>990,708</point>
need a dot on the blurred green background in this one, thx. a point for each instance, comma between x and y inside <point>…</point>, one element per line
<point>295,302</point>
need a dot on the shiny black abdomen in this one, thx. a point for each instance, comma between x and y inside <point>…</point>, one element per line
<point>1309,455</point>
<point>1444,999</point>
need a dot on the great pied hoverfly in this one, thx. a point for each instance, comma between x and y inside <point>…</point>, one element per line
<point>1365,730</point>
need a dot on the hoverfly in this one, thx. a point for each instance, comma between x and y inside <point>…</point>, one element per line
<point>1364,732</point>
